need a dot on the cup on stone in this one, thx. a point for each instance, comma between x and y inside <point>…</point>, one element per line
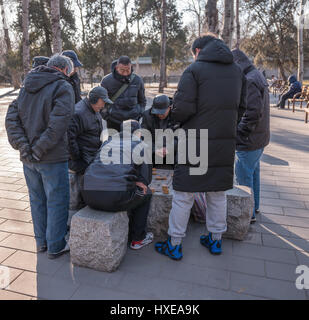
<point>165,189</point>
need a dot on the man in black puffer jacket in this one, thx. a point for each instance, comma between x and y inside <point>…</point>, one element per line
<point>253,131</point>
<point>132,101</point>
<point>210,95</point>
<point>118,184</point>
<point>37,126</point>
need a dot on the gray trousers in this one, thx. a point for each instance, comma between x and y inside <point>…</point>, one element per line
<point>181,207</point>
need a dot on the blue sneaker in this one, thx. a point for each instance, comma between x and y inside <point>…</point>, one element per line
<point>166,248</point>
<point>214,246</point>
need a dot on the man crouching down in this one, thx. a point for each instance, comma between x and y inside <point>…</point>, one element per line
<point>112,183</point>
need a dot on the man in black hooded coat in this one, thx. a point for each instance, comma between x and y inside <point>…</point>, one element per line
<point>211,95</point>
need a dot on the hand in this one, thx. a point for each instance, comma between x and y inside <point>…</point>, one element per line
<point>162,152</point>
<point>142,186</point>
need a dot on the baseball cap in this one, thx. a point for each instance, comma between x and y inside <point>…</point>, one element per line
<point>102,93</point>
<point>39,61</point>
<point>160,104</point>
<point>73,56</point>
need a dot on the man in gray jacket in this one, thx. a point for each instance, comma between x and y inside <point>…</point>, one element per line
<point>253,132</point>
<point>37,125</point>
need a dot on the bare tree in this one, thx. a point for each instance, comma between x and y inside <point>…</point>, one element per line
<point>81,4</point>
<point>163,46</point>
<point>26,43</point>
<point>196,7</point>
<point>125,7</point>
<point>55,22</point>
<point>227,33</point>
<point>8,50</point>
<point>211,14</point>
<point>301,41</point>
<point>237,25</point>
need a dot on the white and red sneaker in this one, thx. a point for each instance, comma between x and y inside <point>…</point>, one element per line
<point>135,245</point>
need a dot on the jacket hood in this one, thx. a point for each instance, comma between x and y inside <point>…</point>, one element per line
<point>292,79</point>
<point>216,51</point>
<point>241,59</point>
<point>40,77</point>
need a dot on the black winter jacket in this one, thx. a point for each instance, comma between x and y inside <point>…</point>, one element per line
<point>40,117</point>
<point>131,103</point>
<point>211,95</point>
<point>111,176</point>
<point>75,81</point>
<point>253,130</point>
<point>84,132</point>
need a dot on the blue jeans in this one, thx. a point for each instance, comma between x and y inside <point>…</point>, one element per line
<point>247,169</point>
<point>49,192</point>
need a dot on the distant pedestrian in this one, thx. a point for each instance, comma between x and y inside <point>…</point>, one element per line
<point>295,87</point>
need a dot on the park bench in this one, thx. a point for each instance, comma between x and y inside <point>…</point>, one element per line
<point>299,97</point>
<point>98,240</point>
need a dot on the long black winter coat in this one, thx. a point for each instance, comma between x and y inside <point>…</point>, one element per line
<point>253,130</point>
<point>211,95</point>
<point>131,103</point>
<point>84,132</point>
<point>40,117</point>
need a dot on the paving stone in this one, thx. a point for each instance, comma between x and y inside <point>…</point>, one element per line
<point>34,262</point>
<point>265,253</point>
<point>200,292</point>
<point>280,271</point>
<point>20,242</point>
<point>270,209</point>
<point>270,228</point>
<point>85,292</point>
<point>13,214</point>
<point>269,194</point>
<point>267,288</point>
<point>43,286</point>
<point>155,288</point>
<point>299,232</point>
<point>10,187</point>
<point>291,196</point>
<point>4,235</point>
<point>301,213</point>
<point>284,203</point>
<point>13,204</point>
<point>17,227</point>
<point>287,243</point>
<point>5,253</point>
<point>302,258</point>
<point>13,195</point>
<point>8,295</point>
<point>284,220</point>
<point>8,180</point>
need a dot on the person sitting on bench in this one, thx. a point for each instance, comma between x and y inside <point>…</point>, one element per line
<point>121,185</point>
<point>295,87</point>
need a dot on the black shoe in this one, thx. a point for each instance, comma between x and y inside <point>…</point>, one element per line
<point>253,220</point>
<point>60,253</point>
<point>257,211</point>
<point>41,249</point>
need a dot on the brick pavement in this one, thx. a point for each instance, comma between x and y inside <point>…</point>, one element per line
<point>261,267</point>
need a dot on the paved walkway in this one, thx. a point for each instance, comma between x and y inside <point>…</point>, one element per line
<point>262,267</point>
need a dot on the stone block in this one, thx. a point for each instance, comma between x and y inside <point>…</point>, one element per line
<point>240,205</point>
<point>98,239</point>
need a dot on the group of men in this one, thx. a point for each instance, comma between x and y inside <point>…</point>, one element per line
<point>221,91</point>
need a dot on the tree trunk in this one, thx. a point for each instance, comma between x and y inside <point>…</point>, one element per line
<point>163,46</point>
<point>301,42</point>
<point>237,25</point>
<point>212,16</point>
<point>80,5</point>
<point>15,76</point>
<point>227,33</point>
<point>5,28</point>
<point>55,23</point>
<point>26,43</point>
<point>125,6</point>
